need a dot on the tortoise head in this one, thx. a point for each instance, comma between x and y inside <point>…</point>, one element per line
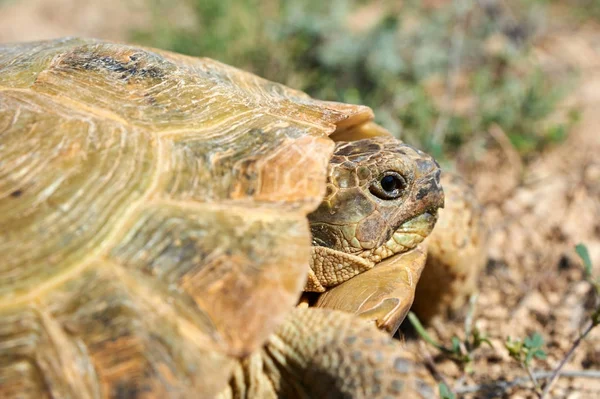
<point>382,199</point>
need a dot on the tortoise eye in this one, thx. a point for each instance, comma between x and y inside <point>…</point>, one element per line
<point>389,186</point>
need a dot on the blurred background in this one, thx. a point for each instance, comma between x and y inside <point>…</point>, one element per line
<point>505,91</point>
<point>439,72</point>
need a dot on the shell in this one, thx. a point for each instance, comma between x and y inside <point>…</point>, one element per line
<point>152,216</point>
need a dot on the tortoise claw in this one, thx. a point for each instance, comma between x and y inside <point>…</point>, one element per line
<point>383,294</point>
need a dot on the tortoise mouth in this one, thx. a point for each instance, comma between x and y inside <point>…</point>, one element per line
<point>406,237</point>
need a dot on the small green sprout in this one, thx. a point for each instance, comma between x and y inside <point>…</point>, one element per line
<point>459,351</point>
<point>445,392</point>
<point>479,339</point>
<point>524,351</point>
<point>584,254</point>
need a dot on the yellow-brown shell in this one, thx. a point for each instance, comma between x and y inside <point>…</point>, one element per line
<point>152,216</point>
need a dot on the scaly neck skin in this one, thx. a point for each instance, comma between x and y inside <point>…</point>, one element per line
<point>382,199</point>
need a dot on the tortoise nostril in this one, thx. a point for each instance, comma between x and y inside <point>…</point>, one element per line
<point>425,166</point>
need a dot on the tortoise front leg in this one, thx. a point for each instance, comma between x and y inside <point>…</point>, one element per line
<point>324,353</point>
<point>383,294</point>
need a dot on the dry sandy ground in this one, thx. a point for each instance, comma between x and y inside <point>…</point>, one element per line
<point>537,212</point>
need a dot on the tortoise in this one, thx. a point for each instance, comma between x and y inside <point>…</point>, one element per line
<point>156,219</point>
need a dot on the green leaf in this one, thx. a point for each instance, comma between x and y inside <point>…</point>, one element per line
<point>596,317</point>
<point>416,323</point>
<point>445,392</point>
<point>528,357</point>
<point>534,341</point>
<point>557,133</point>
<point>479,339</point>
<point>456,345</point>
<point>540,354</point>
<point>513,347</point>
<point>583,253</point>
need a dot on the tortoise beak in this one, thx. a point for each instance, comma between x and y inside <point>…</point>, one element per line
<point>430,194</point>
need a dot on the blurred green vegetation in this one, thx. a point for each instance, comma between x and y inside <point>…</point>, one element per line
<point>583,9</point>
<point>438,74</point>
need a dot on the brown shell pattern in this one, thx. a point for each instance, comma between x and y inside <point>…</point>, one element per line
<point>150,205</point>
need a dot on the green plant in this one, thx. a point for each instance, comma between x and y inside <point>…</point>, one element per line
<point>584,255</point>
<point>523,351</point>
<point>445,392</point>
<point>461,351</point>
<point>583,9</point>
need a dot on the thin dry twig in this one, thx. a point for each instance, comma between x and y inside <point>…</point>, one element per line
<point>505,385</point>
<point>534,380</point>
<point>470,315</point>
<point>431,364</point>
<point>557,371</point>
